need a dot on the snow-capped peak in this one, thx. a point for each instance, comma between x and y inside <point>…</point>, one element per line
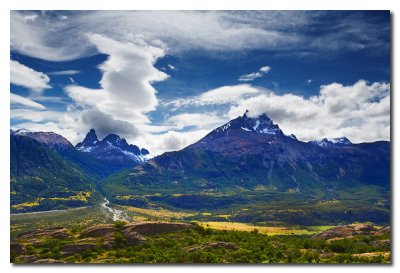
<point>261,124</point>
<point>341,141</point>
<point>21,132</point>
<point>112,146</point>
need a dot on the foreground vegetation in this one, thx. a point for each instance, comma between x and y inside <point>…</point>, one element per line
<point>191,246</point>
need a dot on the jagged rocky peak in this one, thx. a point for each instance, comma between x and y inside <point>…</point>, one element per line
<point>112,146</point>
<point>245,124</point>
<point>259,124</point>
<point>90,139</point>
<point>339,140</point>
<point>113,138</point>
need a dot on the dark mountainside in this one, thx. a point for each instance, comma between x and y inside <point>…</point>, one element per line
<point>41,179</point>
<point>248,162</point>
<point>248,154</point>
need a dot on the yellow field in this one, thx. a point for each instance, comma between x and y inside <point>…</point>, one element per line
<point>159,213</point>
<point>264,230</point>
<point>26,204</point>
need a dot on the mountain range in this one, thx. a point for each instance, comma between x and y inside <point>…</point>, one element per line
<point>248,152</point>
<point>248,160</point>
<point>113,149</point>
<point>48,172</point>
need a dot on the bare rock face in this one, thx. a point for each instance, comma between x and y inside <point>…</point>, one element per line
<point>153,228</point>
<point>132,237</point>
<point>57,232</point>
<point>346,231</point>
<point>17,248</point>
<point>99,231</point>
<point>77,247</point>
<point>226,245</point>
<point>382,231</point>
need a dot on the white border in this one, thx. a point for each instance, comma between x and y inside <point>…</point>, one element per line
<point>7,5</point>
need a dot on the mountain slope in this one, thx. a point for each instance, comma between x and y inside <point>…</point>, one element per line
<point>251,154</point>
<point>41,179</point>
<point>92,166</point>
<point>52,140</point>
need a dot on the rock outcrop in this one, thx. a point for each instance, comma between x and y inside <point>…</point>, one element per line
<point>57,232</point>
<point>132,237</point>
<point>99,231</point>
<point>77,247</point>
<point>346,231</point>
<point>153,228</point>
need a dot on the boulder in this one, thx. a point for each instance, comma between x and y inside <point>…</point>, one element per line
<point>99,231</point>
<point>226,245</point>
<point>57,232</point>
<point>17,248</point>
<point>132,237</point>
<point>153,228</point>
<point>77,247</point>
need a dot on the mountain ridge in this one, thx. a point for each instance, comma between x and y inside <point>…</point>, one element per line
<point>112,149</point>
<point>248,152</point>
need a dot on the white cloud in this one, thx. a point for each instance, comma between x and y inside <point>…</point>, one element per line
<point>53,39</point>
<point>197,120</point>
<point>170,66</point>
<point>19,100</point>
<point>360,111</point>
<point>37,116</point>
<point>64,72</point>
<point>169,141</point>
<point>105,124</point>
<point>220,95</point>
<point>126,92</point>
<point>22,75</point>
<point>48,37</point>
<point>265,69</point>
<point>252,76</point>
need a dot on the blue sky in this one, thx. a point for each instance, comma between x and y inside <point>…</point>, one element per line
<point>165,79</point>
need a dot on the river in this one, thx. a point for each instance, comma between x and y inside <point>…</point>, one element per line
<point>118,215</point>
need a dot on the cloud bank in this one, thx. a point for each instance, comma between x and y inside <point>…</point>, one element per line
<point>24,76</point>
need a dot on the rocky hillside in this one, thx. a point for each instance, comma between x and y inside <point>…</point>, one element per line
<point>40,179</point>
<point>165,242</point>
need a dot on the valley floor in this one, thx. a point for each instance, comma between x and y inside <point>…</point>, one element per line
<point>221,241</point>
